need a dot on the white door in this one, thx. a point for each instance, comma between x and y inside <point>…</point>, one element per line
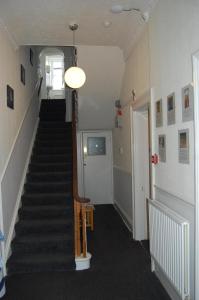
<point>97,166</point>
<point>141,174</point>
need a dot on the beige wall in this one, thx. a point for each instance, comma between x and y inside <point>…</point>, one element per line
<point>136,76</point>
<point>104,68</point>
<point>10,60</point>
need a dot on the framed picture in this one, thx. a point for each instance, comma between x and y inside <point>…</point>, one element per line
<point>183,146</point>
<point>162,147</point>
<point>31,57</point>
<point>158,113</point>
<point>187,103</point>
<point>171,109</point>
<point>10,97</point>
<point>23,75</point>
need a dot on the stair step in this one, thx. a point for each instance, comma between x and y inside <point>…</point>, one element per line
<point>45,212</point>
<point>56,116</point>
<point>65,130</point>
<point>53,102</point>
<point>43,226</point>
<point>46,187</point>
<point>50,167</point>
<point>37,262</point>
<point>51,158</point>
<point>54,136</point>
<point>48,176</point>
<point>51,150</point>
<point>50,143</point>
<point>57,125</point>
<point>46,243</point>
<point>47,199</point>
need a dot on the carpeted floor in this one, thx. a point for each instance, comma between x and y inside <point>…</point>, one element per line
<point>120,269</point>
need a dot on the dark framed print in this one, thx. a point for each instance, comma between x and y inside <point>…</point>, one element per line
<point>171,109</point>
<point>158,113</point>
<point>23,75</point>
<point>162,147</point>
<point>183,146</point>
<point>10,97</point>
<point>187,103</point>
<point>31,57</point>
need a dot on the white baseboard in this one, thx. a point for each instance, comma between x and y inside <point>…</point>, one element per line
<point>126,219</point>
<point>11,233</point>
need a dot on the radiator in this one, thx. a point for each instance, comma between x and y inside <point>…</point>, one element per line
<point>169,246</point>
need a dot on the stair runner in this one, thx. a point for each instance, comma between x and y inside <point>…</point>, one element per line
<point>44,232</point>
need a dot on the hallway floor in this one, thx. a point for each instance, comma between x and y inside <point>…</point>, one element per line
<point>120,270</point>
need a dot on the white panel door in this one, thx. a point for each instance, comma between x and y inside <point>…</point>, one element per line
<point>97,166</point>
<point>141,174</point>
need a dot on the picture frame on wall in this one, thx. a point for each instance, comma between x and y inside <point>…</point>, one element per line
<point>31,57</point>
<point>158,113</point>
<point>171,109</point>
<point>183,146</point>
<point>187,103</point>
<point>23,74</point>
<point>162,147</point>
<point>10,97</point>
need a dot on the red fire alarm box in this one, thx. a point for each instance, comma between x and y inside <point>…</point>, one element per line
<point>154,159</point>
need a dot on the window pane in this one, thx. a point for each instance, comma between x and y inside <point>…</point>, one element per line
<point>96,145</point>
<point>57,81</point>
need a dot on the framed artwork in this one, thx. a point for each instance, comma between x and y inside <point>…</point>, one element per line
<point>10,97</point>
<point>23,75</point>
<point>158,113</point>
<point>187,103</point>
<point>31,57</point>
<point>171,109</point>
<point>183,146</point>
<point>162,147</point>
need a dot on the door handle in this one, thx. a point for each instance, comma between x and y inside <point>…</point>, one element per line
<point>84,164</point>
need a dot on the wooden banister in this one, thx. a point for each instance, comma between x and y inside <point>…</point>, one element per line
<point>79,202</point>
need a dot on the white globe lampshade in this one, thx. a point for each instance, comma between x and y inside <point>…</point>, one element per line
<point>75,77</point>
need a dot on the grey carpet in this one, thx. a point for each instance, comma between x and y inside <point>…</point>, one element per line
<point>120,270</point>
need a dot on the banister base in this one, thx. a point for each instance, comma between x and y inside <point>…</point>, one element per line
<point>83,263</point>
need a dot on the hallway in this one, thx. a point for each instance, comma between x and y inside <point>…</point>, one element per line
<point>120,269</point>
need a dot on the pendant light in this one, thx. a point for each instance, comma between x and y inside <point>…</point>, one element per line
<point>74,76</point>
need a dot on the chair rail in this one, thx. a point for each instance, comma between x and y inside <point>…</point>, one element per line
<point>79,202</point>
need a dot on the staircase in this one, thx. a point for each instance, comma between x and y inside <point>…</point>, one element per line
<point>44,238</point>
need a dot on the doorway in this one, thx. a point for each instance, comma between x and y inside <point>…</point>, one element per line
<point>141,170</point>
<point>97,167</point>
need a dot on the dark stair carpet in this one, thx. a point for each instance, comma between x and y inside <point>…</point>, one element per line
<point>120,269</point>
<point>44,232</point>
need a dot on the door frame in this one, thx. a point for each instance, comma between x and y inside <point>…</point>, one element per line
<point>195,59</point>
<point>135,108</point>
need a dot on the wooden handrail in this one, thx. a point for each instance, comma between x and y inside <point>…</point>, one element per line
<point>79,202</point>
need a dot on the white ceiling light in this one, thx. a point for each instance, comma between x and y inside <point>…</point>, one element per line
<point>118,8</point>
<point>74,76</point>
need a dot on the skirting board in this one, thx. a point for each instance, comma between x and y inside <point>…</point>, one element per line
<point>124,216</point>
<point>18,201</point>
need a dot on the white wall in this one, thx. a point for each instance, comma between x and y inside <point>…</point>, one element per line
<point>14,144</point>
<point>173,39</point>
<point>104,69</point>
<point>171,69</point>
<point>162,60</point>
<point>136,76</point>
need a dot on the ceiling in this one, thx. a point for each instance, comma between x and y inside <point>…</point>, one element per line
<point>45,22</point>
